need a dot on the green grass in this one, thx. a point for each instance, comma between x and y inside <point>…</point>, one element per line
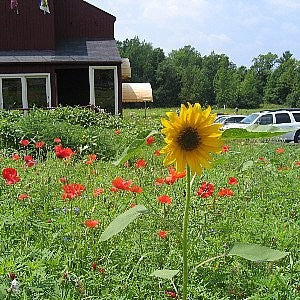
<point>45,243</point>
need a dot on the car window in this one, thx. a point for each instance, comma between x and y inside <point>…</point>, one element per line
<point>220,120</point>
<point>297,117</point>
<point>249,119</point>
<point>282,118</point>
<point>238,119</point>
<point>265,120</point>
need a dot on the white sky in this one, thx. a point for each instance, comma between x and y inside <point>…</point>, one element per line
<point>242,29</point>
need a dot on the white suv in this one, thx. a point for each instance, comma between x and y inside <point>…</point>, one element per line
<point>287,119</point>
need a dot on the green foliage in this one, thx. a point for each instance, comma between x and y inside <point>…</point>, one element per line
<point>165,273</point>
<point>256,253</point>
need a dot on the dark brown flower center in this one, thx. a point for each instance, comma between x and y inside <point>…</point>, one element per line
<point>188,139</point>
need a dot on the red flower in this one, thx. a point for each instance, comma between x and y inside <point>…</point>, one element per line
<point>63,152</point>
<point>113,189</point>
<point>30,163</point>
<point>162,233</point>
<point>63,180</point>
<point>232,181</point>
<point>225,148</point>
<point>157,153</point>
<point>140,163</point>
<point>118,131</point>
<point>94,266</point>
<point>136,189</point>
<point>262,159</point>
<point>23,196</point>
<point>10,175</point>
<point>15,156</point>
<point>72,190</point>
<point>92,157</point>
<point>164,199</point>
<point>159,181</point>
<point>24,143</point>
<point>97,192</point>
<point>57,140</point>
<point>171,294</point>
<point>279,150</point>
<point>91,223</point>
<point>225,192</point>
<point>206,190</point>
<point>39,145</point>
<point>173,175</point>
<point>297,163</point>
<point>150,140</point>
<point>132,205</point>
<point>28,158</point>
<point>122,184</point>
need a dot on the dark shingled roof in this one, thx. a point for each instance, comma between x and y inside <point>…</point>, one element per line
<point>96,51</point>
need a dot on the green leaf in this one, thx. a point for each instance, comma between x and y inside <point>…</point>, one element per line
<point>122,221</point>
<point>255,252</point>
<point>251,133</point>
<point>247,165</point>
<point>165,273</point>
<point>134,146</point>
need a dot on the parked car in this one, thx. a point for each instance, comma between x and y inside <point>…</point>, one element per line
<point>287,119</point>
<point>227,119</point>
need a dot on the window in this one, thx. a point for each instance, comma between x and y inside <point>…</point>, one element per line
<point>24,90</point>
<point>297,117</point>
<point>249,119</point>
<point>282,118</point>
<point>265,120</point>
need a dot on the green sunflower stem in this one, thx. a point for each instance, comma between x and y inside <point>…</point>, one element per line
<point>185,234</point>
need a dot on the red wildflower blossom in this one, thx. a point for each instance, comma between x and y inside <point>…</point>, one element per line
<point>173,175</point>
<point>63,180</point>
<point>225,148</point>
<point>72,190</point>
<point>89,162</point>
<point>136,189</point>
<point>24,143</point>
<point>30,163</point>
<point>91,223</point>
<point>297,163</point>
<point>150,140</point>
<point>94,266</point>
<point>97,192</point>
<point>28,158</point>
<point>279,150</point>
<point>140,163</point>
<point>171,294</point>
<point>12,276</point>
<point>232,181</point>
<point>10,175</point>
<point>162,233</point>
<point>157,153</point>
<point>63,152</point>
<point>159,181</point>
<point>15,156</point>
<point>23,196</point>
<point>122,184</point>
<point>118,131</point>
<point>132,205</point>
<point>113,189</point>
<point>92,157</point>
<point>206,190</point>
<point>262,159</point>
<point>225,192</point>
<point>164,199</point>
<point>57,140</point>
<point>39,145</point>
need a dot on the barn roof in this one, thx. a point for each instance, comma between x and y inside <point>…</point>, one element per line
<point>70,51</point>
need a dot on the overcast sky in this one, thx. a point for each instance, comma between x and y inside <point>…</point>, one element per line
<point>242,29</point>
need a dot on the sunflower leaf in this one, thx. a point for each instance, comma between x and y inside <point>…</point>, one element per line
<point>134,146</point>
<point>255,252</point>
<point>165,273</point>
<point>122,221</point>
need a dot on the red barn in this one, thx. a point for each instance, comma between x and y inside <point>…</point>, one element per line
<point>66,57</point>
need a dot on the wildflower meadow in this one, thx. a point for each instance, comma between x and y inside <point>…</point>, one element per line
<point>95,207</point>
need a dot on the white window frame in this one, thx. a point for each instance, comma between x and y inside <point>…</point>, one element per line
<point>92,84</point>
<point>23,78</point>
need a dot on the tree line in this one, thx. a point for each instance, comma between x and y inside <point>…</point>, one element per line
<point>186,75</point>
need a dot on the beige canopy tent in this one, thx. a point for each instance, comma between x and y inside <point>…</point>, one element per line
<point>125,68</point>
<point>137,92</point>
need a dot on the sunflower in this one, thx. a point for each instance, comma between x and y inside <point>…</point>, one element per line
<point>190,137</point>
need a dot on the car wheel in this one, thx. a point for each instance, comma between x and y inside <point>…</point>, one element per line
<point>297,137</point>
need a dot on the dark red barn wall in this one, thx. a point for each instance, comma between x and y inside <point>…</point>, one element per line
<point>31,29</point>
<point>79,19</point>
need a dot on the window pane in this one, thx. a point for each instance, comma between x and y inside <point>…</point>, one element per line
<point>104,90</point>
<point>297,117</point>
<point>12,93</point>
<point>282,118</point>
<point>265,120</point>
<point>36,92</point>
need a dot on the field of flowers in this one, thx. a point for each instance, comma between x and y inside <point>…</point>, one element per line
<point>62,185</point>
